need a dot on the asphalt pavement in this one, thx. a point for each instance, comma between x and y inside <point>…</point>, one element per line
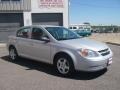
<point>26,74</point>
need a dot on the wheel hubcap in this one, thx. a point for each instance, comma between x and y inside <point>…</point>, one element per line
<point>12,54</point>
<point>63,66</point>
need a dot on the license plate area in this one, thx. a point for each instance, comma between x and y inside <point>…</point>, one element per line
<point>109,62</point>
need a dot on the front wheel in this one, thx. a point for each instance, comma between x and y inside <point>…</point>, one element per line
<point>13,53</point>
<point>64,65</point>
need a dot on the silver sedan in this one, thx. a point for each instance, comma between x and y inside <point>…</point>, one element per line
<point>60,47</point>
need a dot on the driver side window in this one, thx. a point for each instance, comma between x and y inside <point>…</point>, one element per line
<point>38,34</point>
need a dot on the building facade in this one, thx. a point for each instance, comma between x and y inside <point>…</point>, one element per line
<point>17,13</point>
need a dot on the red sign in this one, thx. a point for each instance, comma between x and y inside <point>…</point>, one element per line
<point>51,4</point>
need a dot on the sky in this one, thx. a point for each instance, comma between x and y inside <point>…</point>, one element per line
<point>96,12</point>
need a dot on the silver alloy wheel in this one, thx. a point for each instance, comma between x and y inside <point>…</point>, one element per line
<point>12,54</point>
<point>63,66</point>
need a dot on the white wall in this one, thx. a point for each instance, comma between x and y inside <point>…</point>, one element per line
<point>27,18</point>
<point>66,14</point>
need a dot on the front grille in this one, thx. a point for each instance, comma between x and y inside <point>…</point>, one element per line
<point>104,52</point>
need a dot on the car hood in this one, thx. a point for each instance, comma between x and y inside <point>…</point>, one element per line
<point>85,43</point>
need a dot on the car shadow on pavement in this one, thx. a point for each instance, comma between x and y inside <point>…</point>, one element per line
<point>49,69</point>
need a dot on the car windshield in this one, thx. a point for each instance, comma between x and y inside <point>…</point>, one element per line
<point>61,33</point>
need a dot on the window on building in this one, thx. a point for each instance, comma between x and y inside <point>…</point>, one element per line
<point>9,0</point>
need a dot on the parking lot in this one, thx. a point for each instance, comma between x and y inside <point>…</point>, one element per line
<point>25,74</point>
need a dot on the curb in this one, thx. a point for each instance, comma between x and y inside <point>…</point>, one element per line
<point>2,45</point>
<point>113,43</point>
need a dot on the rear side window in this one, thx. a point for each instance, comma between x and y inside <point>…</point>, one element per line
<point>24,33</point>
<point>74,27</point>
<point>70,27</point>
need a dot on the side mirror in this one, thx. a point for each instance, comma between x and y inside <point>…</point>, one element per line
<point>45,39</point>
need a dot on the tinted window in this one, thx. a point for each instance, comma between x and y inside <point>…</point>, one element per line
<point>70,27</point>
<point>38,33</point>
<point>23,33</point>
<point>74,27</point>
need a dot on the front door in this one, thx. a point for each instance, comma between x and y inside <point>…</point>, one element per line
<point>40,49</point>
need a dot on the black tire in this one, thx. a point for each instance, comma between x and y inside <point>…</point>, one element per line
<point>69,61</point>
<point>13,54</point>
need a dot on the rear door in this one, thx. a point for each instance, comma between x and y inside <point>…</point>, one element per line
<point>23,42</point>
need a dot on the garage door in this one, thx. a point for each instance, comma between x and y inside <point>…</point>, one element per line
<point>9,23</point>
<point>47,19</point>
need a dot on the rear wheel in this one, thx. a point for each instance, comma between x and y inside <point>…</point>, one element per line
<point>64,65</point>
<point>13,53</point>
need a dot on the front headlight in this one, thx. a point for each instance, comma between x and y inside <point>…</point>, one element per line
<point>88,53</point>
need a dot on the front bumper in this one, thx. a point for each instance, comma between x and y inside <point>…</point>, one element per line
<point>93,64</point>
